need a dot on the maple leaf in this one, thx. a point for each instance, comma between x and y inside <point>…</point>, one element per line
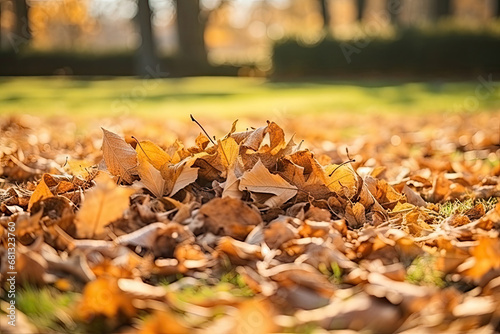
<point>260,180</point>
<point>151,177</point>
<point>120,157</point>
<point>103,204</point>
<point>42,191</point>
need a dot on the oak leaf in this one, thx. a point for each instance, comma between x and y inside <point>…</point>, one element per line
<point>120,157</point>
<point>260,180</point>
<point>103,204</point>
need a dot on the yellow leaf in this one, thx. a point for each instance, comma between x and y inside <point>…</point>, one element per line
<point>104,297</point>
<point>339,178</point>
<point>120,157</point>
<point>156,324</point>
<point>148,150</point>
<point>151,177</point>
<point>42,191</point>
<point>486,257</point>
<point>260,180</point>
<point>102,205</point>
<point>228,151</point>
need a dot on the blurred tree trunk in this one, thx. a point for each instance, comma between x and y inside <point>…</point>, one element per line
<point>394,8</point>
<point>21,33</point>
<point>147,60</point>
<point>442,8</point>
<point>361,8</point>
<point>325,13</point>
<point>190,31</point>
<point>496,11</point>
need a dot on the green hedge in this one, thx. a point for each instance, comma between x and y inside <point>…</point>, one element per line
<point>109,64</point>
<point>412,52</point>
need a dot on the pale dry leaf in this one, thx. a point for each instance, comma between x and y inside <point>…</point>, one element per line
<point>103,204</point>
<point>179,175</point>
<point>151,177</point>
<point>260,180</point>
<point>231,185</point>
<point>120,157</point>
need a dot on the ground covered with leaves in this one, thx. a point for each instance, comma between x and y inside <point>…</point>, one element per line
<point>128,229</point>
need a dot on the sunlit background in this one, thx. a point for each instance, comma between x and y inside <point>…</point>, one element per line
<point>231,32</point>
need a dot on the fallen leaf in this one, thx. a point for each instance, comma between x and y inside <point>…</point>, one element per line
<point>103,204</point>
<point>42,191</point>
<point>104,297</point>
<point>151,177</point>
<point>229,216</point>
<point>120,157</point>
<point>260,180</point>
<point>146,150</point>
<point>177,176</point>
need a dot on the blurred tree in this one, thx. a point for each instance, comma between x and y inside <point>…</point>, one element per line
<point>190,31</point>
<point>147,60</point>
<point>360,9</point>
<point>22,33</point>
<point>496,11</point>
<point>394,9</point>
<point>325,13</point>
<point>442,8</point>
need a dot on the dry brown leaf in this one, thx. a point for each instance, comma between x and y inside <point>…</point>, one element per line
<point>355,215</point>
<point>120,157</point>
<point>42,191</point>
<point>103,204</point>
<point>229,216</point>
<point>260,180</point>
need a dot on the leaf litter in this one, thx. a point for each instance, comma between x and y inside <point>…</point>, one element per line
<point>397,239</point>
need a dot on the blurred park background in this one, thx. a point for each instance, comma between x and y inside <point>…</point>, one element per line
<point>335,62</point>
<point>263,38</point>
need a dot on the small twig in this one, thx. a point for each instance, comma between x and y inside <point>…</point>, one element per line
<point>201,127</point>
<point>141,147</point>
<point>342,164</point>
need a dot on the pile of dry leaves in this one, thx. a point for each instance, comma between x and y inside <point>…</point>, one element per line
<point>314,244</point>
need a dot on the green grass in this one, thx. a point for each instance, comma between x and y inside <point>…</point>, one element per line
<point>229,97</point>
<point>455,207</point>
<point>422,272</point>
<point>47,308</point>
